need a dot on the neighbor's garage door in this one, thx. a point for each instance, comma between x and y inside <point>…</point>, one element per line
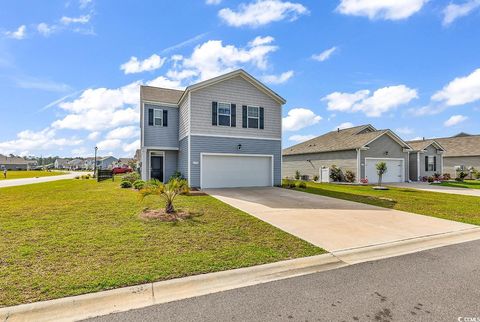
<point>395,170</point>
<point>229,171</point>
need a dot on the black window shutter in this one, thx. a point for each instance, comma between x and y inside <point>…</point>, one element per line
<point>165,118</point>
<point>233,110</point>
<point>262,117</point>
<point>214,113</point>
<point>150,116</point>
<point>244,116</point>
<point>434,163</point>
<point>426,163</point>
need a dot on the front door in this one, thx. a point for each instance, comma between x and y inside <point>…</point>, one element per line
<point>156,167</point>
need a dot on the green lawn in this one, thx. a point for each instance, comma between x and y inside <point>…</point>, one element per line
<point>448,206</point>
<point>29,174</point>
<point>76,236</point>
<point>469,184</point>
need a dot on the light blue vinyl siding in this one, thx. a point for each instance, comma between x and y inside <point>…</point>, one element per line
<point>160,136</point>
<point>183,157</point>
<point>206,144</point>
<point>171,161</point>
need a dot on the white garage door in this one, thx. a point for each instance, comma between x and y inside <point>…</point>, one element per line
<point>231,171</point>
<point>395,170</point>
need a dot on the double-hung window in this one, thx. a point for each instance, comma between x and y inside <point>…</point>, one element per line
<point>157,117</point>
<point>224,114</point>
<point>431,163</point>
<point>253,117</point>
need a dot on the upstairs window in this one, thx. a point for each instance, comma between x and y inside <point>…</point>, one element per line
<point>253,117</point>
<point>224,114</point>
<point>157,117</point>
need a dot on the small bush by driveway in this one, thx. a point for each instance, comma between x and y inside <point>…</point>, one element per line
<point>70,237</point>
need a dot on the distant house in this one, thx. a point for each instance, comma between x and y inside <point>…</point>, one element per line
<point>13,163</point>
<point>76,164</point>
<point>106,162</point>
<point>462,152</point>
<point>61,164</point>
<point>89,163</point>
<point>125,161</point>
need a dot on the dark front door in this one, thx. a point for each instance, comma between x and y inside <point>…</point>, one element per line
<point>156,165</point>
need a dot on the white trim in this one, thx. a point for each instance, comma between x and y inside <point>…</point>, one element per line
<point>358,165</point>
<point>154,117</point>
<point>236,155</point>
<point>157,153</point>
<point>230,114</point>
<point>418,166</point>
<point>441,164</point>
<point>234,137</point>
<point>161,148</point>
<point>395,159</point>
<point>189,138</point>
<point>393,136</point>
<point>159,103</point>
<point>258,117</point>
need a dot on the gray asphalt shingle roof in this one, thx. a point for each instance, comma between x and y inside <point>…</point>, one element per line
<point>456,146</point>
<point>158,94</point>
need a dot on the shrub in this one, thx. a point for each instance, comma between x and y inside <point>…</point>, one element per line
<point>176,175</point>
<point>125,184</point>
<point>446,176</point>
<point>168,191</point>
<point>131,177</point>
<point>302,185</point>
<point>349,176</point>
<point>297,175</point>
<point>476,174</point>
<point>77,177</point>
<point>288,183</point>
<point>462,175</point>
<point>424,179</point>
<point>315,178</point>
<point>381,169</point>
<point>430,179</point>
<point>335,173</point>
<point>364,181</point>
<point>437,176</point>
<point>139,184</point>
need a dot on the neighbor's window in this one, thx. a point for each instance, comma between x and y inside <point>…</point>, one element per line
<point>157,117</point>
<point>224,114</point>
<point>431,163</point>
<point>253,117</point>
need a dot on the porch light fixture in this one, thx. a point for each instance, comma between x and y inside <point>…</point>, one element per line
<point>239,146</point>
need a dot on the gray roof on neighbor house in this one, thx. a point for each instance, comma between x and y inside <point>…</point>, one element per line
<point>423,144</point>
<point>12,160</point>
<point>458,146</point>
<point>340,140</point>
<point>158,94</point>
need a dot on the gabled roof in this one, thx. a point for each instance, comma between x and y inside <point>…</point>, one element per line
<point>420,145</point>
<point>12,160</point>
<point>347,139</point>
<point>461,145</point>
<point>159,94</point>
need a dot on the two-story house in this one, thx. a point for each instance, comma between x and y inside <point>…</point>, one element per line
<point>222,132</point>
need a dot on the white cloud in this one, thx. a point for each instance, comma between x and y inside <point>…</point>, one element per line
<point>84,3</point>
<point>131,147</point>
<point>324,55</point>
<point>32,141</point>
<point>20,33</point>
<point>262,12</point>
<point>301,138</point>
<point>417,138</point>
<point>135,66</point>
<point>125,132</point>
<point>299,118</point>
<point>461,90</point>
<point>454,11</point>
<point>94,135</point>
<point>344,125</point>
<point>278,79</point>
<point>404,130</point>
<point>381,101</point>
<point>75,20</point>
<point>381,9</point>
<point>454,120</point>
<point>45,29</point>
<point>212,58</point>
<point>109,144</point>
<point>213,2</point>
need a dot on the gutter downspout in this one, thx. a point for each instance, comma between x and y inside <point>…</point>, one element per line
<point>358,165</point>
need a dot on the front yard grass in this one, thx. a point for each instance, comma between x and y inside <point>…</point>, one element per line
<point>12,174</point>
<point>70,237</point>
<point>469,184</point>
<point>442,205</point>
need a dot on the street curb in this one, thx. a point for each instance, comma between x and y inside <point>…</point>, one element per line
<point>406,246</point>
<point>85,306</point>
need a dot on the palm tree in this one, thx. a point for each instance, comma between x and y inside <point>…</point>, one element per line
<point>381,169</point>
<point>168,191</point>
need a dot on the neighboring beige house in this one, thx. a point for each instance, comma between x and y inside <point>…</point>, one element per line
<point>426,159</point>
<point>462,152</point>
<point>14,163</point>
<point>357,149</point>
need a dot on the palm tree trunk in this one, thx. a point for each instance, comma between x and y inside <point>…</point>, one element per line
<point>169,207</point>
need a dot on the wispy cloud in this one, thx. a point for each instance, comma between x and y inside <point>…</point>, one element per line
<point>324,55</point>
<point>185,43</point>
<point>41,84</point>
<point>454,11</point>
<point>19,33</point>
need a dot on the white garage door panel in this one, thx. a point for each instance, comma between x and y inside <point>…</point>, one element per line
<point>227,171</point>
<point>395,170</point>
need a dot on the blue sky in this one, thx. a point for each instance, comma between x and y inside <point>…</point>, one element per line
<point>70,70</point>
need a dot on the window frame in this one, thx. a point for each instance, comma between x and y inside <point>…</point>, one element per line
<point>161,117</point>
<point>253,117</point>
<point>223,114</point>
<point>431,163</point>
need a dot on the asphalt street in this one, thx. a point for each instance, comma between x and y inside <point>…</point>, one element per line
<point>442,284</point>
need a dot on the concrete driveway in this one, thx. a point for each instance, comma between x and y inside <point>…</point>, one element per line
<point>436,188</point>
<point>330,223</point>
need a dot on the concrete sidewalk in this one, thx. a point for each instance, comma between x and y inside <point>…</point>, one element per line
<point>26,181</point>
<point>436,188</point>
<point>333,224</point>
